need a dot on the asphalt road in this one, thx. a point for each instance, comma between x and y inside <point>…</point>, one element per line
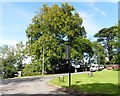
<point>32,86</point>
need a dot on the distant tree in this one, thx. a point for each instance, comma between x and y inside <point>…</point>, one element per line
<point>31,69</point>
<point>20,55</point>
<point>117,56</point>
<point>8,61</point>
<point>108,38</point>
<point>99,53</point>
<point>12,59</point>
<point>4,51</point>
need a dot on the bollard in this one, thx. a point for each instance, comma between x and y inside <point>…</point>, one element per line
<point>90,74</point>
<point>61,78</point>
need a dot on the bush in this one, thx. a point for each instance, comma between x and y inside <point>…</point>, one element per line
<point>9,71</point>
<point>31,69</point>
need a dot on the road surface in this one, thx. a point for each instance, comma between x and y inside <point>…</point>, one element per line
<point>31,86</point>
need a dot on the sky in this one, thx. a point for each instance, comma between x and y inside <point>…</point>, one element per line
<point>16,16</point>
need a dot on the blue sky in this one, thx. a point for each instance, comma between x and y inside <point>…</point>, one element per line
<point>16,16</point>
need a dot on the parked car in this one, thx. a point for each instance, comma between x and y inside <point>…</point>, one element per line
<point>76,65</point>
<point>80,65</point>
<point>109,68</point>
<point>101,67</point>
<point>116,66</point>
<point>94,67</point>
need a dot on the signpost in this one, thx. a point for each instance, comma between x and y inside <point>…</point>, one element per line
<point>68,61</point>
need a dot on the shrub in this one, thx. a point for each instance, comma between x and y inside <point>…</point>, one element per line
<point>31,69</point>
<point>9,71</point>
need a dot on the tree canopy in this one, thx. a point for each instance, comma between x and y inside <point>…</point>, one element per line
<point>108,38</point>
<point>99,53</point>
<point>54,27</point>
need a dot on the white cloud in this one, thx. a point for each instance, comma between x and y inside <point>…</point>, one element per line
<point>8,42</point>
<point>96,9</point>
<point>89,24</point>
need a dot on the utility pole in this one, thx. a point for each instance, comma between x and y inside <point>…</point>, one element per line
<point>43,61</point>
<point>98,59</point>
<point>68,61</point>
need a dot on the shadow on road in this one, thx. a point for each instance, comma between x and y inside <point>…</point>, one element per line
<point>20,80</point>
<point>37,95</point>
<point>81,90</point>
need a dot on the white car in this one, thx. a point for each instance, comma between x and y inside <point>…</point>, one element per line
<point>94,67</point>
<point>101,67</point>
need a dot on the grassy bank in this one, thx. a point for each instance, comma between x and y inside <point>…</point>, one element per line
<point>102,82</point>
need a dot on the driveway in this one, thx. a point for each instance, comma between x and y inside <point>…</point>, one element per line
<point>31,86</point>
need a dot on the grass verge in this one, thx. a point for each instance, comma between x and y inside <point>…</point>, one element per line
<point>102,82</point>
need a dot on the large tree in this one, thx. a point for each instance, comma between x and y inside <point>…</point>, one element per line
<point>52,28</point>
<point>99,54</point>
<point>108,38</point>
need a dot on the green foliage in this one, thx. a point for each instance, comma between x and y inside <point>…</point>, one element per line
<point>31,69</point>
<point>9,70</point>
<point>99,53</point>
<point>117,56</point>
<point>81,46</point>
<point>8,62</point>
<point>1,67</point>
<point>20,55</point>
<point>108,38</point>
<point>11,59</point>
<point>52,28</point>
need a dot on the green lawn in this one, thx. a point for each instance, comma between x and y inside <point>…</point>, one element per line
<point>102,82</point>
